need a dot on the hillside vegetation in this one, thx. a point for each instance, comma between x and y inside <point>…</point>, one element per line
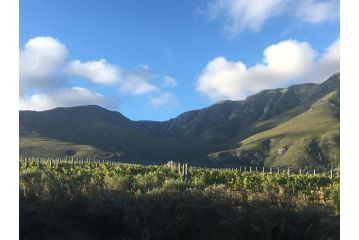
<point>296,126</point>
<point>62,200</point>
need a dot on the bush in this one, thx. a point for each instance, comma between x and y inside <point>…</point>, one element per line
<point>174,185</point>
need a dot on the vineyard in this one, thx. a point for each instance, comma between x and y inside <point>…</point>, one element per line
<point>119,199</point>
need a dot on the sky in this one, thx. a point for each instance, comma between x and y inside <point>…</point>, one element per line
<point>152,60</point>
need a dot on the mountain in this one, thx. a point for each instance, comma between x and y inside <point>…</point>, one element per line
<point>294,126</point>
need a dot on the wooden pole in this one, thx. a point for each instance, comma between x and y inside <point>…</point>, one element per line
<point>25,162</point>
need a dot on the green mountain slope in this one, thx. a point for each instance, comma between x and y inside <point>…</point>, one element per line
<point>108,131</point>
<point>302,120</point>
<point>308,139</point>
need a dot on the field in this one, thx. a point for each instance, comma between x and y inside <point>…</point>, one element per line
<point>72,200</point>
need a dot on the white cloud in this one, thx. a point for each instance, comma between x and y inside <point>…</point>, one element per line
<point>314,11</point>
<point>169,81</point>
<point>241,15</point>
<point>136,82</point>
<point>283,63</point>
<point>332,53</point>
<point>327,64</point>
<point>98,72</point>
<point>41,62</point>
<point>163,99</point>
<point>64,97</point>
<point>45,72</point>
<point>288,58</point>
<point>244,14</point>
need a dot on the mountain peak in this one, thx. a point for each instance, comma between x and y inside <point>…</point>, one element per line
<point>194,135</point>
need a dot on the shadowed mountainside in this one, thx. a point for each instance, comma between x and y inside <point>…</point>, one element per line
<point>294,126</point>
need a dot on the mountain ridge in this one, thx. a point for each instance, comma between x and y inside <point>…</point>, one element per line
<point>193,136</point>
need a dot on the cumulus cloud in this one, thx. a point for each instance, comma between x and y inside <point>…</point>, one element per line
<point>45,74</point>
<point>163,99</point>
<point>283,63</point>
<point>40,64</point>
<point>169,81</point>
<point>98,72</point>
<point>241,15</point>
<point>64,97</point>
<point>136,82</point>
<point>314,11</point>
<point>332,53</point>
<point>326,65</point>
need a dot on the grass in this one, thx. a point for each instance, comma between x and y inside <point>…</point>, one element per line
<point>37,146</point>
<point>311,138</point>
<point>303,118</point>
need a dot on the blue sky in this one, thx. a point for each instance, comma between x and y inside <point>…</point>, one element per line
<point>156,59</point>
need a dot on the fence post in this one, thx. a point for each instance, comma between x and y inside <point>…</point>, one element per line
<point>256,169</point>
<point>300,171</point>
<point>245,168</point>
<point>38,162</point>
<point>288,172</point>
<point>331,173</point>
<point>278,170</point>
<point>270,170</point>
<point>240,168</point>
<point>50,163</point>
<point>263,170</point>
<point>250,169</point>
<point>314,171</point>
<point>25,162</point>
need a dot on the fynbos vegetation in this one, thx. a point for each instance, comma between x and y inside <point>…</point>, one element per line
<point>297,127</point>
<point>96,200</point>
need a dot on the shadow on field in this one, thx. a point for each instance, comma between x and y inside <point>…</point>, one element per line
<point>171,215</point>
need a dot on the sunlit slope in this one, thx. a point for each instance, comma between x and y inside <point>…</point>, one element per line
<point>308,139</point>
<point>37,146</point>
<point>294,126</point>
